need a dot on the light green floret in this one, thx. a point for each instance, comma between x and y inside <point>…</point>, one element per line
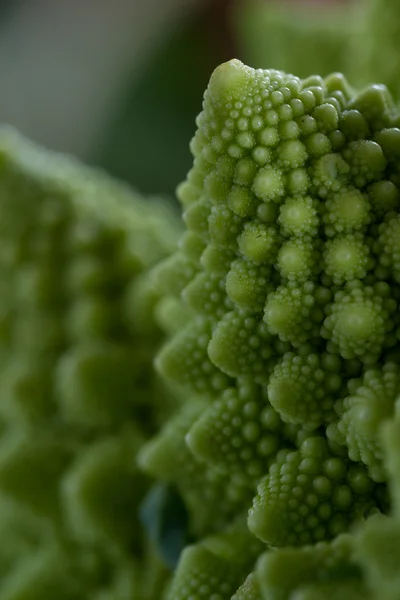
<point>346,257</point>
<point>360,322</point>
<point>366,160</point>
<point>258,242</point>
<point>206,294</point>
<point>184,359</point>
<point>224,227</point>
<point>346,211</point>
<point>248,285</point>
<point>298,260</point>
<point>269,185</point>
<point>242,201</point>
<point>215,259</point>
<point>293,313</point>
<point>196,217</point>
<point>330,174</point>
<point>239,433</point>
<point>242,345</point>
<point>369,404</point>
<point>299,217</point>
<point>303,389</point>
<point>310,495</point>
<point>173,273</point>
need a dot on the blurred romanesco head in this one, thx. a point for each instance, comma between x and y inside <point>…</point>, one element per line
<point>374,49</point>
<point>78,395</point>
<point>290,267</point>
<point>356,37</point>
<point>286,33</point>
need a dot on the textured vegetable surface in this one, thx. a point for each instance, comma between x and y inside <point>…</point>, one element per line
<point>78,393</point>
<point>290,266</point>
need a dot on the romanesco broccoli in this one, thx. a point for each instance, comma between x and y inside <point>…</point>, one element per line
<point>288,273</point>
<point>78,394</point>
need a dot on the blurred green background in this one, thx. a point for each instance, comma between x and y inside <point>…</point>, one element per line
<point>119,84</point>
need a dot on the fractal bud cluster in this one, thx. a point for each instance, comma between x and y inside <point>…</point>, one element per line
<point>229,406</point>
<point>290,267</point>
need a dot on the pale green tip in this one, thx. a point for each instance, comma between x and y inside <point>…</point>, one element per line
<point>265,523</point>
<point>229,80</point>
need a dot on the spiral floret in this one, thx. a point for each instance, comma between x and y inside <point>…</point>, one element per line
<point>299,217</point>
<point>310,495</point>
<point>366,160</point>
<point>303,389</point>
<point>242,345</point>
<point>298,260</point>
<point>258,242</point>
<point>292,313</point>
<point>359,322</point>
<point>206,294</point>
<point>239,433</point>
<point>347,211</point>
<point>346,258</point>
<point>185,359</point>
<point>247,285</point>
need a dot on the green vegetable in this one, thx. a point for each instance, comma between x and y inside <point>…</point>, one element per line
<point>78,393</point>
<point>288,271</point>
<point>362,564</point>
